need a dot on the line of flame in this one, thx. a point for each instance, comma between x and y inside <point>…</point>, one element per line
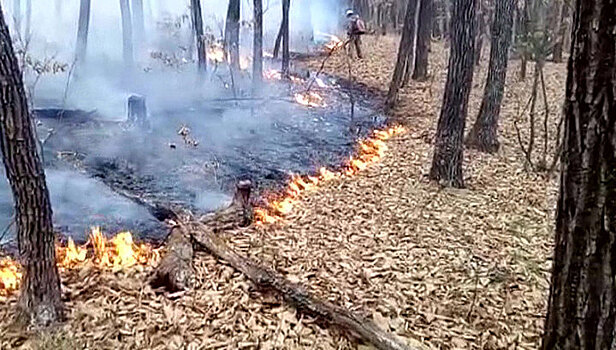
<point>116,254</point>
<point>370,151</point>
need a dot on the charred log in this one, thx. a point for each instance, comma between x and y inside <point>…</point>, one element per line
<point>175,272</point>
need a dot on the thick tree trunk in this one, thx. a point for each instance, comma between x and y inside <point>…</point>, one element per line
<point>405,54</point>
<point>484,134</point>
<point>448,148</point>
<point>410,61</point>
<point>39,301</point>
<point>82,31</point>
<point>127,33</point>
<point>197,20</point>
<point>257,47</point>
<point>286,56</point>
<point>423,40</point>
<point>139,24</point>
<point>232,34</point>
<point>582,303</point>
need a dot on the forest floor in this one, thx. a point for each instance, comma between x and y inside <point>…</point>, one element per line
<point>450,268</point>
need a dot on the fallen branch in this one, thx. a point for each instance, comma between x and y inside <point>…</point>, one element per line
<point>331,52</point>
<point>175,272</point>
<point>295,294</point>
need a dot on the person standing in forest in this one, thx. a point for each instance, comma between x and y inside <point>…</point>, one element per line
<point>355,29</point>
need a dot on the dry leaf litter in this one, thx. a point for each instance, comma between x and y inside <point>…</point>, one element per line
<point>453,269</point>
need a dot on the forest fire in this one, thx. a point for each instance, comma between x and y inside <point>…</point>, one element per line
<point>311,99</point>
<point>370,151</point>
<point>334,42</point>
<point>115,254</point>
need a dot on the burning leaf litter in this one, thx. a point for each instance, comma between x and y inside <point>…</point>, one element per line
<point>370,151</point>
<point>115,254</point>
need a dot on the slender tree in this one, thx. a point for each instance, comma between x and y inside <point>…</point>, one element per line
<point>17,15</point>
<point>582,304</point>
<point>286,57</point>
<point>448,152</point>
<point>257,46</point>
<point>139,24</point>
<point>232,33</point>
<point>560,32</point>
<point>127,33</point>
<point>82,30</point>
<point>278,41</point>
<point>484,134</point>
<point>481,29</point>
<point>39,301</point>
<point>405,54</point>
<point>197,22</point>
<point>28,29</point>
<point>424,35</point>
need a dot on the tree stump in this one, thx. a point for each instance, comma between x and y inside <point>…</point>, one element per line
<point>175,272</point>
<point>137,111</point>
<point>242,200</point>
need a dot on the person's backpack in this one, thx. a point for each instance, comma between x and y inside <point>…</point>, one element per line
<point>360,26</point>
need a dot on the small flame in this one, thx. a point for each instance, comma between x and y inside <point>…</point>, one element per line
<point>334,41</point>
<point>369,152</point>
<point>311,99</point>
<point>10,276</point>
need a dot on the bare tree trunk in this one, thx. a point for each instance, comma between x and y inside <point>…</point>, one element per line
<point>17,15</point>
<point>39,301</point>
<point>560,32</point>
<point>257,47</point>
<point>139,23</point>
<point>82,31</point>
<point>526,32</point>
<point>484,134</point>
<point>197,20</point>
<point>405,51</point>
<point>28,29</point>
<point>448,148</point>
<point>127,33</point>
<point>286,57</point>
<point>232,34</point>
<point>276,52</point>
<point>424,32</point>
<point>410,61</point>
<point>582,304</point>
<point>481,28</point>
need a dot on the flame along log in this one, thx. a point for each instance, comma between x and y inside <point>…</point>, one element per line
<point>268,279</point>
<point>369,151</point>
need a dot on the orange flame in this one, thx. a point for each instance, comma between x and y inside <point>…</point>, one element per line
<point>369,152</point>
<point>311,99</point>
<point>117,254</point>
<point>10,276</point>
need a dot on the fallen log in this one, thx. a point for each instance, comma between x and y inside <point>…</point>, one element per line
<point>295,294</point>
<point>175,272</point>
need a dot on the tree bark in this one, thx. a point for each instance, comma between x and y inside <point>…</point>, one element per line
<point>82,31</point>
<point>526,32</point>
<point>582,303</point>
<point>197,19</point>
<point>424,32</point>
<point>448,152</point>
<point>39,301</point>
<point>484,134</point>
<point>257,47</point>
<point>139,24</point>
<point>481,28</point>
<point>232,34</point>
<point>286,57</point>
<point>127,33</point>
<point>405,54</point>
<point>278,41</point>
